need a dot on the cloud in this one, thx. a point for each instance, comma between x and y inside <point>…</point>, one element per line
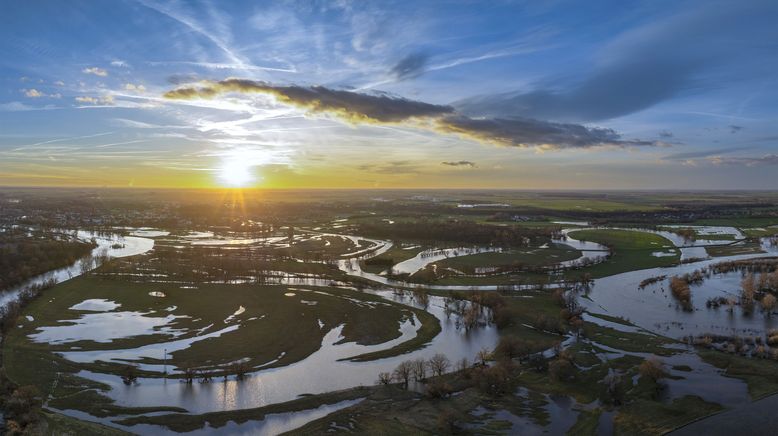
<point>33,93</point>
<point>226,66</point>
<point>768,159</point>
<point>351,106</point>
<point>666,134</point>
<point>461,163</point>
<point>96,71</point>
<point>410,66</point>
<point>526,132</point>
<point>357,107</point>
<point>645,66</point>
<point>182,79</point>
<point>120,64</point>
<point>15,106</point>
<point>104,100</point>
<point>392,167</point>
<point>133,87</point>
<point>734,129</point>
<point>703,153</point>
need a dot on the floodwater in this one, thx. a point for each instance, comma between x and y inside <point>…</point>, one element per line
<point>114,245</point>
<point>285,383</point>
<point>652,309</point>
<point>105,327</point>
<point>426,257</point>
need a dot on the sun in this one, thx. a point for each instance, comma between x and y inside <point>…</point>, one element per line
<point>235,173</point>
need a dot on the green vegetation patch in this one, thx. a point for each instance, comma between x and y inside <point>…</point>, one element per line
<point>761,375</point>
<point>185,423</point>
<point>258,311</point>
<point>587,423</point>
<point>631,250</point>
<point>63,425</point>
<point>734,249</point>
<point>645,417</point>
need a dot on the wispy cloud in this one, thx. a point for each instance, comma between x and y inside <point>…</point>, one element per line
<point>410,66</point>
<point>768,159</point>
<point>32,93</point>
<point>644,66</point>
<point>225,66</point>
<point>703,153</point>
<point>734,129</point>
<point>392,167</point>
<point>105,100</point>
<point>96,71</point>
<point>459,164</point>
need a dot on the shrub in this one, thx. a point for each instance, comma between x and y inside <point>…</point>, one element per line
<point>562,370</point>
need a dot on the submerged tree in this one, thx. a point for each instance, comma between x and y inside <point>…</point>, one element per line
<point>419,369</point>
<point>439,364</point>
<point>768,304</point>
<point>403,372</point>
<point>130,374</point>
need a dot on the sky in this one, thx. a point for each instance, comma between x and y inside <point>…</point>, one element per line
<point>391,94</point>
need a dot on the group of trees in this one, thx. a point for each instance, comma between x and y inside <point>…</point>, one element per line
<point>190,373</point>
<point>571,311</point>
<point>759,285</point>
<point>25,254</point>
<point>416,370</point>
<point>749,346</point>
<point>11,311</point>
<point>20,407</point>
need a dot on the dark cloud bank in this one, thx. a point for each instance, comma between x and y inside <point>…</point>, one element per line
<point>383,109</point>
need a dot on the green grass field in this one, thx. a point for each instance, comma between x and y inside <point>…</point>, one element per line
<point>367,319</point>
<point>395,255</point>
<point>205,310</point>
<point>631,251</point>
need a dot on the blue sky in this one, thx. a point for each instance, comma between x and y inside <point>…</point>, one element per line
<point>557,94</point>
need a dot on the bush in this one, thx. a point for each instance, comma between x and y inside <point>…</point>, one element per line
<point>562,370</point>
<point>503,316</point>
<point>23,406</point>
<point>538,363</point>
<point>511,347</point>
<point>438,389</point>
<point>495,380</point>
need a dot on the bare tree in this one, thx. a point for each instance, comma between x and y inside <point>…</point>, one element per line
<point>240,369</point>
<point>482,356</point>
<point>86,264</point>
<point>439,364</point>
<point>748,292</point>
<point>403,372</point>
<point>384,378</point>
<point>419,369</point>
<point>189,375</point>
<point>130,374</point>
